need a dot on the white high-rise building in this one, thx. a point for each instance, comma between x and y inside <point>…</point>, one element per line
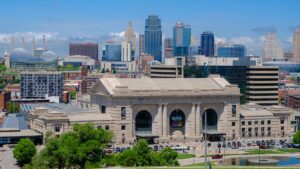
<point>130,37</point>
<point>296,46</point>
<point>126,52</point>
<point>272,49</point>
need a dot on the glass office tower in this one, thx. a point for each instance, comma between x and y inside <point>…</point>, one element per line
<point>207,43</point>
<point>181,39</point>
<point>153,37</point>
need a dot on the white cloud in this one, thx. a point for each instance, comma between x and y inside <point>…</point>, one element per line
<point>289,40</point>
<point>253,44</point>
<point>118,34</point>
<point>5,38</point>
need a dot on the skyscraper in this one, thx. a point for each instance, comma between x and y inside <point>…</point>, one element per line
<point>130,37</point>
<point>141,44</point>
<point>207,44</point>
<point>181,39</point>
<point>126,53</point>
<point>153,37</point>
<point>271,49</point>
<point>112,52</point>
<point>231,51</point>
<point>296,46</point>
<point>86,49</point>
<point>168,47</point>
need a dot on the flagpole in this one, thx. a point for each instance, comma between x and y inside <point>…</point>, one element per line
<point>205,135</point>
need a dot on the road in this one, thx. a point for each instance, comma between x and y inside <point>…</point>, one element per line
<point>7,159</point>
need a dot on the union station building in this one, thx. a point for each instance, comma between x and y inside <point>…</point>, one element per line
<point>165,110</point>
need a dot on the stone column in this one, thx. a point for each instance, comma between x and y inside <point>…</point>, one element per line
<point>165,120</point>
<point>160,119</point>
<point>198,120</point>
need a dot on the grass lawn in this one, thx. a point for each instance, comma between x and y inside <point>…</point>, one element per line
<point>217,167</point>
<point>185,156</point>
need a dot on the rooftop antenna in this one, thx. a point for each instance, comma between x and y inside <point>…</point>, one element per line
<point>44,43</point>
<point>33,44</point>
<point>23,42</point>
<point>13,41</point>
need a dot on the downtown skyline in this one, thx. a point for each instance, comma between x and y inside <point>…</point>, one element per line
<point>99,21</point>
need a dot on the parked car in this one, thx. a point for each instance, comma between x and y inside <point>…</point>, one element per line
<point>295,145</point>
<point>217,156</point>
<point>248,143</point>
<point>278,146</point>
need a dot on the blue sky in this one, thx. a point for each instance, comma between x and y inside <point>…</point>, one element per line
<point>236,21</point>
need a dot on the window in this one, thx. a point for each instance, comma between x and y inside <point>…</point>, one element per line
<point>269,121</point>
<point>233,124</point>
<point>57,129</point>
<point>103,109</point>
<point>262,122</point>
<point>107,127</point>
<point>123,127</point>
<point>249,123</point>
<point>243,123</point>
<point>99,127</point>
<point>256,122</point>
<point>233,110</point>
<point>282,128</point>
<point>256,131</point>
<point>123,113</point>
<point>282,121</point>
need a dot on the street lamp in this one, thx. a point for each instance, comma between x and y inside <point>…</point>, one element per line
<point>205,136</point>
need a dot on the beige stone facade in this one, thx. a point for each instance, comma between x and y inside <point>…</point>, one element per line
<point>174,108</point>
<point>273,122</point>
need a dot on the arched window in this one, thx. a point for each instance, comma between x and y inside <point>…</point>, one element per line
<point>177,121</point>
<point>212,119</point>
<point>143,123</point>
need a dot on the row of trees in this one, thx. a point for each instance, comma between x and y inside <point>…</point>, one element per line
<point>71,150</point>
<point>85,145</point>
<point>142,155</point>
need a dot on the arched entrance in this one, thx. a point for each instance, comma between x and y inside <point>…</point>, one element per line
<point>212,120</point>
<point>143,123</point>
<point>211,126</point>
<point>177,121</point>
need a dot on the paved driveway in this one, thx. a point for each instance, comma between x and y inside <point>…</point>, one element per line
<point>7,161</point>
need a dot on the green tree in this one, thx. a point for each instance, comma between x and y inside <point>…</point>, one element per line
<point>56,154</point>
<point>2,68</point>
<point>107,70</point>
<point>40,161</point>
<point>127,158</point>
<point>114,71</point>
<point>296,138</point>
<point>13,107</point>
<point>72,95</point>
<point>69,67</point>
<point>143,153</point>
<point>74,149</point>
<point>169,156</point>
<point>24,151</point>
<point>103,70</point>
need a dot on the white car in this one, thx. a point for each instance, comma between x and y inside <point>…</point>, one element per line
<point>278,146</point>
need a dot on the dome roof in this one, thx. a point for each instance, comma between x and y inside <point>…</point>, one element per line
<point>20,54</point>
<point>49,55</point>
